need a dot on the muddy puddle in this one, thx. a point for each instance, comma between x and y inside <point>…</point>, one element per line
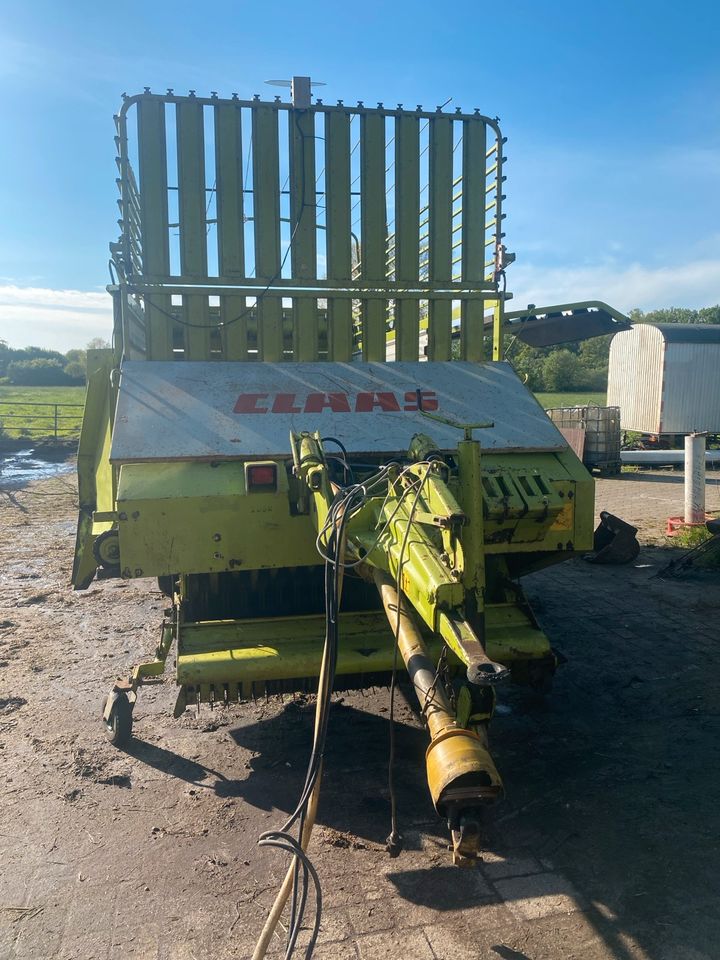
<point>21,466</point>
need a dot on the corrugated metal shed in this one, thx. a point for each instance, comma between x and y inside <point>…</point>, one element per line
<point>666,377</point>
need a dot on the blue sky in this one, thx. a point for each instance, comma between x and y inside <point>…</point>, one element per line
<point>611,109</point>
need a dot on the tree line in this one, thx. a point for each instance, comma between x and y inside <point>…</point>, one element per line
<point>37,367</point>
<point>584,365</point>
<point>571,366</point>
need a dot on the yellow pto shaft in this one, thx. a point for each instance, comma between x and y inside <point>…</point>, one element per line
<point>460,771</point>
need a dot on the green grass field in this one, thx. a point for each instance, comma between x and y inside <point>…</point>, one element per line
<point>21,417</point>
<point>549,400</point>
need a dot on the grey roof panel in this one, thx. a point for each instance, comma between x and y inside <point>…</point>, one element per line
<point>688,332</point>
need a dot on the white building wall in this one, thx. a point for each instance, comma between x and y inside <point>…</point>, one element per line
<point>664,386</point>
<point>635,377</point>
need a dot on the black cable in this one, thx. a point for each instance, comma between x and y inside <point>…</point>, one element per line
<point>280,840</point>
<point>337,442</point>
<point>349,476</point>
<point>346,503</point>
<point>333,570</point>
<point>339,514</point>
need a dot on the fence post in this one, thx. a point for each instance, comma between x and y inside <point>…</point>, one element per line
<point>695,478</point>
<point>56,420</point>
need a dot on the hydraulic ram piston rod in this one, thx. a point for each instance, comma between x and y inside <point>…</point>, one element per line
<point>460,771</point>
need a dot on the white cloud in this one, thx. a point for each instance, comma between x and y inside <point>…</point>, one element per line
<point>694,284</point>
<point>55,319</point>
<point>64,319</point>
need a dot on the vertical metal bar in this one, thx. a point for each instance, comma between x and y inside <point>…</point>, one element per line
<point>374,229</point>
<point>470,499</point>
<point>473,236</point>
<point>193,227</point>
<point>338,236</point>
<point>407,233</point>
<point>56,421</point>
<point>152,164</point>
<point>266,207</point>
<point>695,478</point>
<point>440,234</point>
<point>498,330</point>
<point>301,137</point>
<point>499,307</point>
<point>230,226</point>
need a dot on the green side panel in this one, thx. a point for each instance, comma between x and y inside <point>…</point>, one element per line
<point>511,636</point>
<point>373,230</point>
<point>407,233</point>
<point>196,518</point>
<point>571,531</point>
<point>338,237</point>
<point>230,226</point>
<point>301,134</point>
<point>440,234</point>
<point>266,213</point>
<point>95,474</point>
<point>252,651</point>
<point>152,160</point>
<point>193,228</point>
<point>473,236</point>
<point>284,648</point>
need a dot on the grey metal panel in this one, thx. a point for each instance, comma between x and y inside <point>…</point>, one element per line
<point>689,332</point>
<point>186,411</point>
<point>691,387</point>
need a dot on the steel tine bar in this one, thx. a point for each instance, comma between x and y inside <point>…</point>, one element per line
<point>407,236</point>
<point>440,268</point>
<point>266,207</point>
<point>337,218</point>
<point>303,252</point>
<point>193,231</point>
<point>152,160</point>
<point>231,233</point>
<point>374,229</point>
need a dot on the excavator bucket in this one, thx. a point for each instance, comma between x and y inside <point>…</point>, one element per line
<point>614,541</point>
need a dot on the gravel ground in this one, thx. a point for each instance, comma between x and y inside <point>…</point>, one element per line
<point>605,845</point>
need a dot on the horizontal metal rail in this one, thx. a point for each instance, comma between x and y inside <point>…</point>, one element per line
<point>417,290</point>
<point>54,418</point>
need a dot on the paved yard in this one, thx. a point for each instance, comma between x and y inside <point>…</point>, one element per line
<point>605,845</point>
<point>647,499</point>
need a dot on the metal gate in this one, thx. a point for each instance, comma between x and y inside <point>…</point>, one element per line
<point>267,230</point>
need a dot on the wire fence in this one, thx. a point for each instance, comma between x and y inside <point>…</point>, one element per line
<point>33,419</point>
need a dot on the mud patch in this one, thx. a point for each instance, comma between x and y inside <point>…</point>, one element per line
<point>342,840</point>
<point>35,598</point>
<point>9,705</point>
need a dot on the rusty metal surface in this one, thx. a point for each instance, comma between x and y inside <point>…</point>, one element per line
<point>575,437</point>
<point>208,411</point>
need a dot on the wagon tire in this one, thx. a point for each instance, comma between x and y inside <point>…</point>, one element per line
<point>118,726</point>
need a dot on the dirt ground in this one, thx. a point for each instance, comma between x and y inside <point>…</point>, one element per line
<point>605,846</point>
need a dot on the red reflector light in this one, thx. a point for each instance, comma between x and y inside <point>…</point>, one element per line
<point>261,477</point>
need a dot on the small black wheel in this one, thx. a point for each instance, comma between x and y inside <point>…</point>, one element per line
<point>118,726</point>
<point>106,550</point>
